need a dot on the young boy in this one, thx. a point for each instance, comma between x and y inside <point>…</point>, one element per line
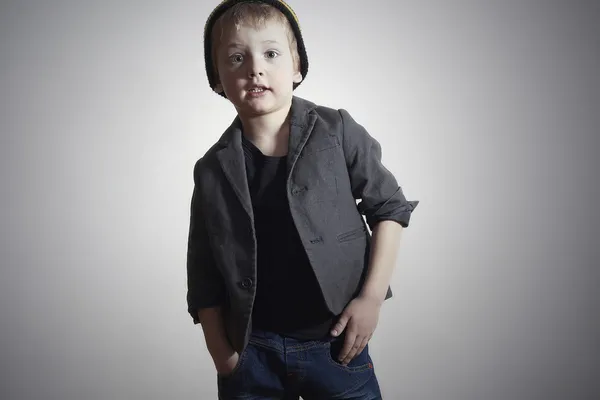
<point>283,274</point>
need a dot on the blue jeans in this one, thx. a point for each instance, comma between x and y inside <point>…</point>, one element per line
<point>282,368</point>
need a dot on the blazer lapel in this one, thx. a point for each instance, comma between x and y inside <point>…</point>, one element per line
<point>301,126</point>
<point>231,158</point>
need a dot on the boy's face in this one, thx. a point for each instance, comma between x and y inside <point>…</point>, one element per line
<point>247,58</point>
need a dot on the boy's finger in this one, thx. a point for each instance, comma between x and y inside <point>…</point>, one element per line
<point>359,346</point>
<point>348,349</point>
<point>353,352</point>
<point>363,344</point>
<point>340,325</point>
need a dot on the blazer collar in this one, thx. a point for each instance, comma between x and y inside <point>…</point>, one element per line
<point>231,155</point>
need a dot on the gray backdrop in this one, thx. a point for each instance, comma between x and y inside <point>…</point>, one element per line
<point>488,113</point>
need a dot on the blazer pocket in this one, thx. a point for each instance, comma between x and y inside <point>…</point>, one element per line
<point>317,146</point>
<point>353,234</point>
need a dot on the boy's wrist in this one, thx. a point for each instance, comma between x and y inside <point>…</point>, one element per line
<point>215,336</point>
<point>373,296</point>
<point>221,354</point>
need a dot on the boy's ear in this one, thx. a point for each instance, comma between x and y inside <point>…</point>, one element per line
<point>297,77</point>
<point>218,88</point>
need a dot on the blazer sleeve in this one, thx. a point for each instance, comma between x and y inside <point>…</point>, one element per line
<point>380,196</point>
<point>205,283</point>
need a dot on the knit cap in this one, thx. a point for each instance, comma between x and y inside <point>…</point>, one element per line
<point>226,5</point>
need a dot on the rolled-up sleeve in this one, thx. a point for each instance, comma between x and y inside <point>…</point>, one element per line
<point>205,283</point>
<point>381,198</point>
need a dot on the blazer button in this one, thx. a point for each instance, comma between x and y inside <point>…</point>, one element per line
<point>298,190</point>
<point>246,283</point>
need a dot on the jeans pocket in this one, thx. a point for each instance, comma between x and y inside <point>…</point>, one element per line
<point>332,380</point>
<point>361,361</point>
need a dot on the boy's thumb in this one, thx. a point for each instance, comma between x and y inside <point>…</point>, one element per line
<point>340,325</point>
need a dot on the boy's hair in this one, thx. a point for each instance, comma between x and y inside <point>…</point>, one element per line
<point>254,13</point>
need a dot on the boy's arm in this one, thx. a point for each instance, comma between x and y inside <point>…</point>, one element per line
<point>381,201</point>
<point>206,289</point>
<point>384,246</point>
<point>205,283</point>
<point>387,212</point>
<point>377,188</point>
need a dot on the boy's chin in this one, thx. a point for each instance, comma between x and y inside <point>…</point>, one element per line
<point>254,111</point>
<point>258,106</point>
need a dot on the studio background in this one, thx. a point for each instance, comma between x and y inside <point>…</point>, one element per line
<point>487,112</point>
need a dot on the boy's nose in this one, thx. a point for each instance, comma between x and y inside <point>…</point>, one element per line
<point>255,69</point>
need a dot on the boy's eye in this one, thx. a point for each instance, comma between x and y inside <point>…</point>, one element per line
<point>272,54</point>
<point>236,58</point>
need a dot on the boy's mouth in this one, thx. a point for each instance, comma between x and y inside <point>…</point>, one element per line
<point>257,89</point>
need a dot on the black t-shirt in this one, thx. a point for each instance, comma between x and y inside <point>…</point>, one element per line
<point>288,298</point>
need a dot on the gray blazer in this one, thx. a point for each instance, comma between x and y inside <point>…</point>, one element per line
<point>332,162</point>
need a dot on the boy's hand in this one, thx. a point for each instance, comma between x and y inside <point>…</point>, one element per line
<point>360,319</point>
